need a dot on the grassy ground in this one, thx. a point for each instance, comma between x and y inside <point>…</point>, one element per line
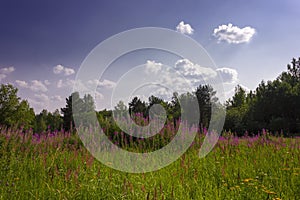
<point>57,166</point>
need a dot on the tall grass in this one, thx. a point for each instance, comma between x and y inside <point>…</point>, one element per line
<point>55,165</point>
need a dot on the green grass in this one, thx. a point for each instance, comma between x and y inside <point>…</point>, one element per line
<point>61,168</point>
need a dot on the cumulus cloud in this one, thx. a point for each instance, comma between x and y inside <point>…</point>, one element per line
<point>153,67</point>
<point>184,73</point>
<point>103,84</point>
<point>22,84</point>
<point>193,71</point>
<point>5,71</point>
<point>65,83</point>
<point>47,82</point>
<point>59,69</point>
<point>228,75</point>
<point>192,74</point>
<point>69,71</point>
<point>35,85</point>
<point>184,28</point>
<point>233,34</point>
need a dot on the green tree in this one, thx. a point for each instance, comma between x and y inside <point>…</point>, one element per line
<point>68,120</point>
<point>236,113</point>
<point>54,120</point>
<point>41,121</point>
<point>14,111</point>
<point>206,97</point>
<point>137,106</point>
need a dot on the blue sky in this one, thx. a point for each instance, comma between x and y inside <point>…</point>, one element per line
<point>42,44</point>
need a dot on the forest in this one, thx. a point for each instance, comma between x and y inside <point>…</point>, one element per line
<point>273,105</point>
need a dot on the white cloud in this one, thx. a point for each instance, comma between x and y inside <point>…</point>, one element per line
<point>228,75</point>
<point>65,83</point>
<point>69,71</point>
<point>35,85</point>
<point>22,84</point>
<point>184,28</point>
<point>193,71</point>
<point>192,74</point>
<point>185,73</point>
<point>105,83</point>
<point>153,67</point>
<point>56,98</point>
<point>59,83</point>
<point>234,34</point>
<point>59,69</point>
<point>47,82</point>
<point>7,70</point>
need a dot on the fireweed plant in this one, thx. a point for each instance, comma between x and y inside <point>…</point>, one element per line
<point>56,165</point>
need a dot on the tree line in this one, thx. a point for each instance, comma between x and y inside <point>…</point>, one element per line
<point>273,105</point>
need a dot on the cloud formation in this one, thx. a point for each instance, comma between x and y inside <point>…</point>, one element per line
<point>193,71</point>
<point>5,71</point>
<point>65,83</point>
<point>228,75</point>
<point>233,34</point>
<point>59,69</point>
<point>34,85</point>
<point>192,74</point>
<point>102,84</point>
<point>184,28</point>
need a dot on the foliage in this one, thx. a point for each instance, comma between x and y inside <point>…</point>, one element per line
<point>14,111</point>
<point>274,105</point>
<point>85,106</point>
<point>48,121</point>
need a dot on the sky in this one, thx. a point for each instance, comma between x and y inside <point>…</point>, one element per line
<point>44,43</point>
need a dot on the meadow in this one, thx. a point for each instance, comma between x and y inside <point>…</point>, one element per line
<point>55,165</point>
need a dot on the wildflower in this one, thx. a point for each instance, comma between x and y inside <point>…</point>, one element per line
<point>269,191</point>
<point>247,180</point>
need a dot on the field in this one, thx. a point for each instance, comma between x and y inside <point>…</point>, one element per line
<point>55,165</point>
